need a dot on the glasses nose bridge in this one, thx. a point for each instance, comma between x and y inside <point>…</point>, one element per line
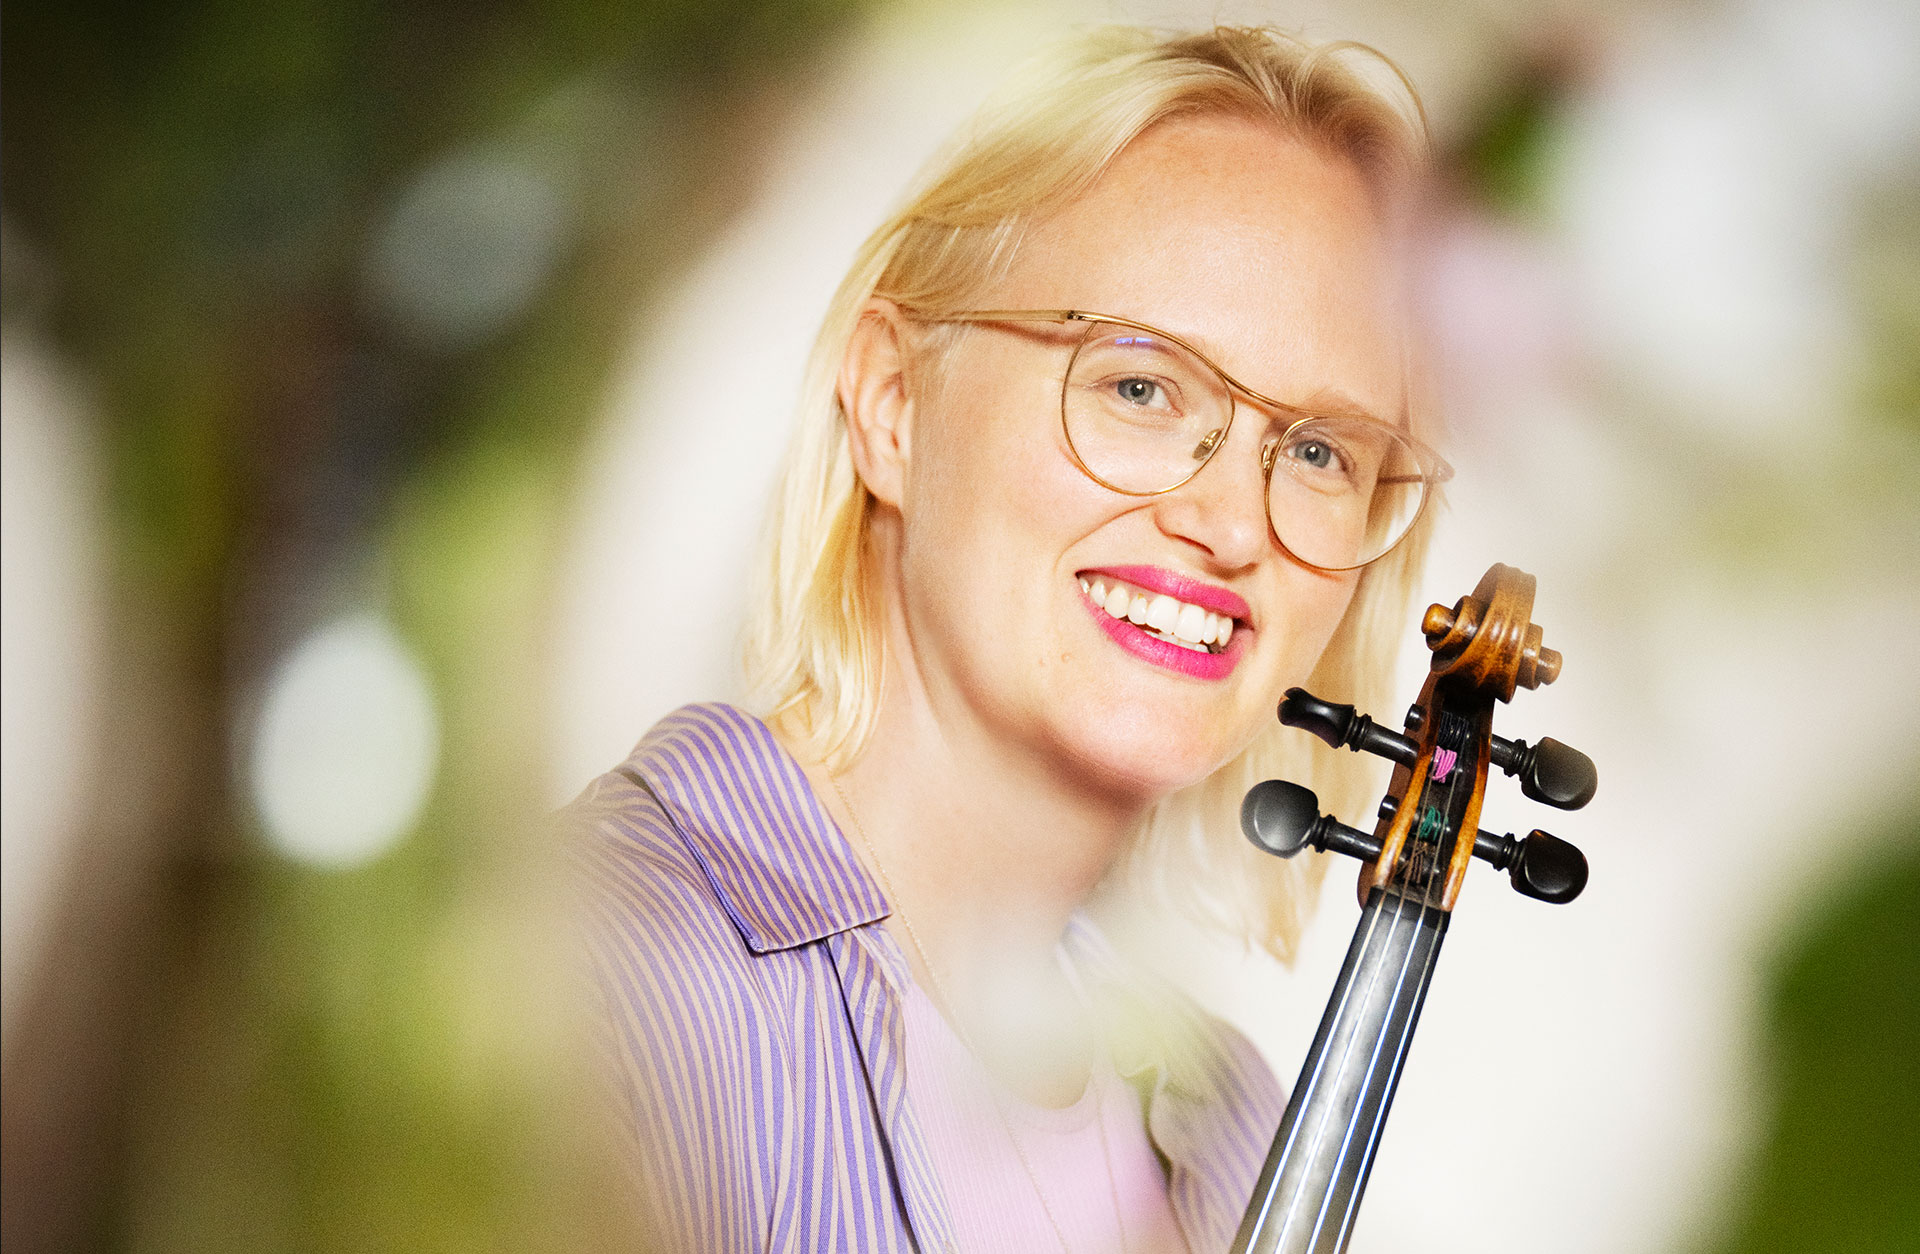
<point>1238,396</point>
<point>1219,437</point>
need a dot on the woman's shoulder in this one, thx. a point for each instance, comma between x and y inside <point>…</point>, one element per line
<point>643,899</point>
<point>710,800</point>
<point>622,816</point>
<point>693,738</point>
<point>695,777</point>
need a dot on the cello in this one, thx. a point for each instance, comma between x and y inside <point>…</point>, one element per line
<point>1427,833</point>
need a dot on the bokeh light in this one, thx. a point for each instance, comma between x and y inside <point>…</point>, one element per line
<point>346,746</point>
<point>469,242</point>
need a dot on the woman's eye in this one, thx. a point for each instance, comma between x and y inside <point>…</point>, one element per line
<point>1142,392</point>
<point>1316,453</point>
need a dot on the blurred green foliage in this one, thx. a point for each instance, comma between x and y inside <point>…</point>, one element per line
<point>1505,155</point>
<point>1885,279</point>
<point>1837,1169</point>
<point>363,1059</point>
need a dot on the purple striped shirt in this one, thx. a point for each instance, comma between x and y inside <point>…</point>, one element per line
<point>756,1017</point>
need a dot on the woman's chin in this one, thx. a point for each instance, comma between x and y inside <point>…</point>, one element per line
<point>1147,756</point>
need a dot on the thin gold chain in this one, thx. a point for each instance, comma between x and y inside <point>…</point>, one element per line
<point>940,990</point>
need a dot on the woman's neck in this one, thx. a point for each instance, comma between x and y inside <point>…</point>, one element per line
<point>985,850</point>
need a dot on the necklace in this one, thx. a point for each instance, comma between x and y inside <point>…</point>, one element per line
<point>940,991</point>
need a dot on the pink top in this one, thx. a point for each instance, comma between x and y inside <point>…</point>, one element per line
<point>1092,1159</point>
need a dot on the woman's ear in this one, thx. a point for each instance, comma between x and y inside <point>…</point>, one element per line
<point>877,401</point>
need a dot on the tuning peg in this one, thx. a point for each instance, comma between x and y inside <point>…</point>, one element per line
<point>1557,774</point>
<point>1283,818</point>
<point>1341,727</point>
<point>1543,867</point>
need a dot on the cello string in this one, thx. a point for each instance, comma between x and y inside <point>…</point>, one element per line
<point>1371,1090</point>
<point>1428,909</point>
<point>1366,1087</point>
<point>1379,963</point>
<point>1452,728</point>
<point>1380,1117</point>
<point>1311,1087</point>
<point>1299,1186</point>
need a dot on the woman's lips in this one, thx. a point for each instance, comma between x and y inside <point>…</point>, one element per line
<point>1144,644</point>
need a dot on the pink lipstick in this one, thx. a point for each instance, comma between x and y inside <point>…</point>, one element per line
<point>1154,646</point>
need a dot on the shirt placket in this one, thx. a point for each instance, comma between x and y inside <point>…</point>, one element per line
<point>873,974</point>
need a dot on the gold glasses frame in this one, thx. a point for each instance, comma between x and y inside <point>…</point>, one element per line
<point>1433,467</point>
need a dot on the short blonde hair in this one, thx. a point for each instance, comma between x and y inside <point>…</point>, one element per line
<point>814,648</point>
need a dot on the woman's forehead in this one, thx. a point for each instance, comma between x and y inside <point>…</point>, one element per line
<point>1246,240</point>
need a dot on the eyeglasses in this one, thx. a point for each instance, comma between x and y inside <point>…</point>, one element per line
<point>1144,411</point>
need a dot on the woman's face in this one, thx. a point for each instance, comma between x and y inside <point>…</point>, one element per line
<point>1269,257</point>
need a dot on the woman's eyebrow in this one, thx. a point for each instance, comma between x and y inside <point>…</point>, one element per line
<point>1333,400</point>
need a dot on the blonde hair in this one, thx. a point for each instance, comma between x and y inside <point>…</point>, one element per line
<point>814,649</point>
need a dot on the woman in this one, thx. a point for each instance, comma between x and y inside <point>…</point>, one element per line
<point>1037,579</point>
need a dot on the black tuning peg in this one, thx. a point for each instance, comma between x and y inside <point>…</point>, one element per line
<point>1557,774</point>
<point>1340,727</point>
<point>1283,818</point>
<point>1543,867</point>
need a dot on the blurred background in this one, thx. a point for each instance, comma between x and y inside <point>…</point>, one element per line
<point>390,394</point>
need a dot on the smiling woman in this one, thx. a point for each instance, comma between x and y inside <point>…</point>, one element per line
<point>1037,577</point>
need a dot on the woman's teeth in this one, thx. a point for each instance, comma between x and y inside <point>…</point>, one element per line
<point>1177,622</point>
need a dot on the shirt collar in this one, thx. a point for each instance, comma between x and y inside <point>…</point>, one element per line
<point>780,866</point>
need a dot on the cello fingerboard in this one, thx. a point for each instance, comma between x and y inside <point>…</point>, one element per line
<point>1309,1191</point>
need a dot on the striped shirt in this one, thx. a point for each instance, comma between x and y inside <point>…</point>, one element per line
<point>755,1017</point>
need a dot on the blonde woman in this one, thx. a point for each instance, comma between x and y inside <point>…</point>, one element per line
<point>1108,440</point>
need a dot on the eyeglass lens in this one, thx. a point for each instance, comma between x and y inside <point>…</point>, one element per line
<point>1143,414</point>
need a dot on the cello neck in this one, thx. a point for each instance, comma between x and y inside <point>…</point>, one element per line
<point>1309,1191</point>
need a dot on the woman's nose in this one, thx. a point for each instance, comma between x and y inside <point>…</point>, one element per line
<point>1223,509</point>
